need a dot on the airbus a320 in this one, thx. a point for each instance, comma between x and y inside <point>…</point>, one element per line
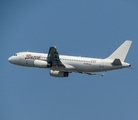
<point>63,65</point>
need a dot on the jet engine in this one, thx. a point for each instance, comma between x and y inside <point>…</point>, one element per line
<point>41,64</point>
<point>55,73</point>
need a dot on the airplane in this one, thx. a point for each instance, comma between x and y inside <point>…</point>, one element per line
<point>63,65</point>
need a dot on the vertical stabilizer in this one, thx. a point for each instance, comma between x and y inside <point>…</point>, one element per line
<point>121,52</point>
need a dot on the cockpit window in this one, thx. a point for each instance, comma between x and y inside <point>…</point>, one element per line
<point>15,54</point>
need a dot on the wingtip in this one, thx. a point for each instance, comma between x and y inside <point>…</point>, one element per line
<point>128,41</point>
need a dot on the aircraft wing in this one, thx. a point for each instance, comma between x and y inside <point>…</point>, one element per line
<point>53,57</point>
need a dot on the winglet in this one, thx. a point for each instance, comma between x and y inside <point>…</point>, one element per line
<point>121,52</point>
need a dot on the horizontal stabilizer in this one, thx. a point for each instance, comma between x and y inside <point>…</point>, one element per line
<point>116,62</point>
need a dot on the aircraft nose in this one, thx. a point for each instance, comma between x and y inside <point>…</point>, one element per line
<point>13,60</point>
<point>10,59</point>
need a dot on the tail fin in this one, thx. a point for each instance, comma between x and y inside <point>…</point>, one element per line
<point>121,52</point>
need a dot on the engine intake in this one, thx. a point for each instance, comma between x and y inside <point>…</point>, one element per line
<point>56,73</point>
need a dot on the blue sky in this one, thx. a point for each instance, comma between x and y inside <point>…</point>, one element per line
<point>88,28</point>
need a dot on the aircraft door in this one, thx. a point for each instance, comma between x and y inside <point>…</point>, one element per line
<point>22,60</point>
<point>26,62</point>
<point>29,62</point>
<point>101,65</point>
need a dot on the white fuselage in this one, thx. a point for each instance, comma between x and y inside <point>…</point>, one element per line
<point>72,63</point>
<point>62,65</point>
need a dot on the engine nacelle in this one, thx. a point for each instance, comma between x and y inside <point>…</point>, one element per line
<point>55,73</point>
<point>41,64</point>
